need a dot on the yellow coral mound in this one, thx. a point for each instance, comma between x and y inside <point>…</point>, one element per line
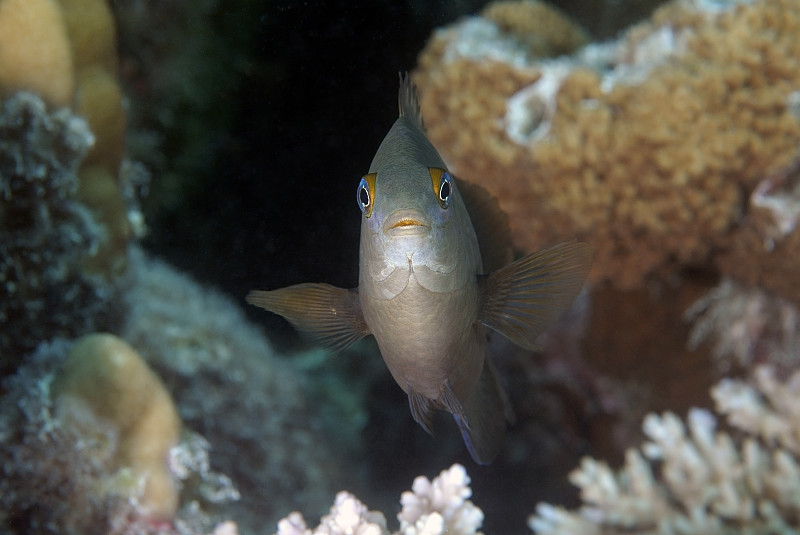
<point>109,394</point>
<point>648,153</point>
<point>66,51</point>
<point>35,51</point>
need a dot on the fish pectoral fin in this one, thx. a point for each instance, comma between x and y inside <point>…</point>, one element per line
<point>524,298</point>
<point>421,409</point>
<point>487,410</point>
<point>331,316</point>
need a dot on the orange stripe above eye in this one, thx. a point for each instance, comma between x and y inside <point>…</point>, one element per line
<point>370,178</point>
<point>436,179</point>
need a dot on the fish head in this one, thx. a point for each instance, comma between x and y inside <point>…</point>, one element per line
<point>413,218</point>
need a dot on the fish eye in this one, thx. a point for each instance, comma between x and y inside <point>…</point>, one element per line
<point>365,193</point>
<point>442,185</point>
<point>445,189</point>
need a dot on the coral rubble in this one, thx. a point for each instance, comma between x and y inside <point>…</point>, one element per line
<point>647,147</point>
<point>692,478</point>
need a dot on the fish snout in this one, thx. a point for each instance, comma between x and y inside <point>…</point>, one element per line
<point>406,223</point>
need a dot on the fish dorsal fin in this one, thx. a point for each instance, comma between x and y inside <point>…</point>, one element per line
<point>524,298</point>
<point>490,223</point>
<point>332,316</point>
<point>408,101</point>
<point>421,410</point>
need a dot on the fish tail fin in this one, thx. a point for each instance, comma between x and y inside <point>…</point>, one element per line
<point>408,101</point>
<point>332,316</point>
<point>483,419</point>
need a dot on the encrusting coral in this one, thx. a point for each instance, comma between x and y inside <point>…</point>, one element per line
<point>105,385</point>
<point>646,147</point>
<point>430,508</point>
<point>46,235</point>
<point>691,478</point>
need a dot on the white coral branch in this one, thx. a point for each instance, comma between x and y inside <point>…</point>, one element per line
<point>690,478</point>
<point>431,508</point>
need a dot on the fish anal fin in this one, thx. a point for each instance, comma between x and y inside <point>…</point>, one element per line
<point>490,223</point>
<point>421,409</point>
<point>524,298</point>
<point>331,316</point>
<point>487,410</point>
<point>449,400</point>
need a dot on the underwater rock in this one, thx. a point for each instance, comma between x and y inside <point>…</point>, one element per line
<point>646,147</point>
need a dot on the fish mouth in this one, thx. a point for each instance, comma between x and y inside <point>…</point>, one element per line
<point>406,223</point>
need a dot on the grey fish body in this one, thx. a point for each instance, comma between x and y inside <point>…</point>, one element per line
<point>423,292</point>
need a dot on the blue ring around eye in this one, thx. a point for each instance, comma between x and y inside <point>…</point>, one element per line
<point>362,195</point>
<point>445,189</point>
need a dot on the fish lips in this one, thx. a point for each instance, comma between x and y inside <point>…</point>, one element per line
<point>406,223</point>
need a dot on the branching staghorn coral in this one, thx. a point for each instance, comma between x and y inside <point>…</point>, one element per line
<point>430,508</point>
<point>691,478</point>
<point>747,326</point>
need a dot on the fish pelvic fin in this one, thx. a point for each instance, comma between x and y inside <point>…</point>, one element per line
<point>408,101</point>
<point>482,421</point>
<point>329,315</point>
<point>421,409</point>
<point>524,298</point>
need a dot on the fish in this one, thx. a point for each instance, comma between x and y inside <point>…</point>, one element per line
<point>436,278</point>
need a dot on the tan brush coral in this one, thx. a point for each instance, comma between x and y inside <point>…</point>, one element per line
<point>107,391</point>
<point>542,27</point>
<point>646,147</point>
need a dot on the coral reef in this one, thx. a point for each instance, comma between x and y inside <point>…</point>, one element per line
<point>279,448</point>
<point>691,478</point>
<point>105,385</point>
<point>764,247</point>
<point>646,147</point>
<point>430,508</point>
<point>49,472</point>
<point>747,326</point>
<point>45,233</point>
<point>61,463</point>
<point>65,51</point>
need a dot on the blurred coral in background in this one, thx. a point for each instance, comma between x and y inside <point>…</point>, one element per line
<point>137,399</point>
